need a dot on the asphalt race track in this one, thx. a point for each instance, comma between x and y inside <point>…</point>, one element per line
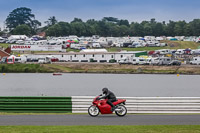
<point>100,120</point>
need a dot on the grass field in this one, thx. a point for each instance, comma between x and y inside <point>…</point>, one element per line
<point>100,129</point>
<point>97,68</point>
<point>4,45</point>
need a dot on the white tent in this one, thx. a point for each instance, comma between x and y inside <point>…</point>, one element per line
<point>18,37</point>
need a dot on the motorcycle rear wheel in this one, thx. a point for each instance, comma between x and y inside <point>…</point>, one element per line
<point>121,110</point>
<point>93,111</point>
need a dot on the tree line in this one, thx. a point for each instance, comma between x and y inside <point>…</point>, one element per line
<point>22,21</point>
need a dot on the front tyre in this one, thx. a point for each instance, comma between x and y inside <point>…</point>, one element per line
<point>121,110</point>
<point>93,111</point>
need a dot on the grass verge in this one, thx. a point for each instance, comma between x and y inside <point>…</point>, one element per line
<point>97,68</point>
<point>101,129</point>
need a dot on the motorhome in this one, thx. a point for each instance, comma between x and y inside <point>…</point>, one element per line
<point>154,61</point>
<point>164,60</point>
<point>164,51</point>
<point>196,51</point>
<point>195,61</point>
<point>140,61</point>
<point>126,60</point>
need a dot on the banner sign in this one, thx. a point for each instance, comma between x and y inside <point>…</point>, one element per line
<point>36,47</point>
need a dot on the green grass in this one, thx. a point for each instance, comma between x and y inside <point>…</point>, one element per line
<point>18,68</point>
<point>72,50</point>
<point>100,129</point>
<point>4,45</point>
<point>114,49</point>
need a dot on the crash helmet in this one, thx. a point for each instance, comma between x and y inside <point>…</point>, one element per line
<point>105,90</point>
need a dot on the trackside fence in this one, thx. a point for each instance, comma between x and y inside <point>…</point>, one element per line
<point>36,104</point>
<point>80,104</point>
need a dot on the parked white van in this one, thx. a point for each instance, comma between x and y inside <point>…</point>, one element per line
<point>180,51</point>
<point>195,61</point>
<point>155,61</point>
<point>164,51</point>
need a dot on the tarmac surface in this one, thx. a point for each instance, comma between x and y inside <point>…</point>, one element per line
<point>84,119</point>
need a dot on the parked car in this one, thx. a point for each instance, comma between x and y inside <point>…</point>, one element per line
<point>175,63</point>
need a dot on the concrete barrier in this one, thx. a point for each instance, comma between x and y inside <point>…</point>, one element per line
<point>80,104</point>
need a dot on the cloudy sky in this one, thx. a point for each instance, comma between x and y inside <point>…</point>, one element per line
<point>133,10</point>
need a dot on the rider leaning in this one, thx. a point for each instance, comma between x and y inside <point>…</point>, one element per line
<point>110,96</point>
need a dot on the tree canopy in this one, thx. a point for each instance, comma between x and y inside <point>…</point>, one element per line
<point>22,30</point>
<point>21,16</point>
<point>107,26</point>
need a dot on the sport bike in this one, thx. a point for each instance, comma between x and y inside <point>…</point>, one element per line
<point>104,108</point>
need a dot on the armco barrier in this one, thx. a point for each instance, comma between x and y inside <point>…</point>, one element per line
<point>80,104</point>
<point>36,104</point>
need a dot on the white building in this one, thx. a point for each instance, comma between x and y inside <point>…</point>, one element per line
<point>88,56</point>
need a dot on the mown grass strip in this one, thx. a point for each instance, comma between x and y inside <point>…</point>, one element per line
<point>101,129</point>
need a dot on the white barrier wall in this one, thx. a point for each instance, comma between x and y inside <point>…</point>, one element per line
<point>80,104</point>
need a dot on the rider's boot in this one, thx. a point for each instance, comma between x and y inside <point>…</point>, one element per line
<point>113,108</point>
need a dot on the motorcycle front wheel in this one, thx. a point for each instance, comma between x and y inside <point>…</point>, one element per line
<point>93,111</point>
<point>121,110</point>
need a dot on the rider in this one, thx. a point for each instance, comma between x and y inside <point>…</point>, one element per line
<point>110,96</point>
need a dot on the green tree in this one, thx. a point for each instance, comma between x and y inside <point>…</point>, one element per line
<point>124,30</point>
<point>18,17</point>
<point>65,28</point>
<point>22,30</point>
<point>170,28</point>
<point>136,29</point>
<point>195,27</point>
<point>187,30</point>
<point>111,19</point>
<point>54,30</point>
<point>123,22</point>
<point>78,28</point>
<point>51,21</point>
<point>77,20</point>
<point>179,28</point>
<point>159,29</point>
<point>35,24</point>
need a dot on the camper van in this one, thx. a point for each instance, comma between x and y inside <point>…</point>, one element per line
<point>154,61</point>
<point>15,59</point>
<point>164,60</point>
<point>195,61</point>
<point>164,51</point>
<point>125,60</point>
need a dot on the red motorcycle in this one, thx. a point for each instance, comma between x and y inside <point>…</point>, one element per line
<point>104,108</point>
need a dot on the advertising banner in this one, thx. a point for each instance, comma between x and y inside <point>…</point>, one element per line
<point>36,47</point>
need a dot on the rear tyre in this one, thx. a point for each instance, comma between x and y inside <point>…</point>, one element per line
<point>93,111</point>
<point>121,110</point>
